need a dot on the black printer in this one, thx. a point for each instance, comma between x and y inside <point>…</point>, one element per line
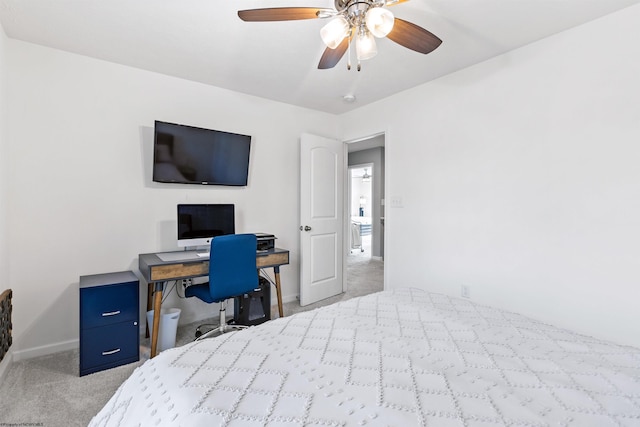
<point>265,241</point>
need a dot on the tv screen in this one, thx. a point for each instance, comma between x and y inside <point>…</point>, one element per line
<point>190,155</point>
<point>198,224</point>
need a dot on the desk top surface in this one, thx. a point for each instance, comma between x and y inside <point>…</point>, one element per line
<point>189,264</point>
<point>191,256</point>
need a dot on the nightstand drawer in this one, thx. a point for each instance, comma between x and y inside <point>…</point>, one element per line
<point>108,346</point>
<point>109,304</point>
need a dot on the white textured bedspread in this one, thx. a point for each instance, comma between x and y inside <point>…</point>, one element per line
<point>396,358</point>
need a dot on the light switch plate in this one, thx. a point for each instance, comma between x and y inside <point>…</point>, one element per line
<point>396,202</point>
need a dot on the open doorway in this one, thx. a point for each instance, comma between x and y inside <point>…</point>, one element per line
<point>364,212</point>
<point>360,209</point>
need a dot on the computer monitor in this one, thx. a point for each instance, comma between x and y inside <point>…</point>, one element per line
<point>199,223</point>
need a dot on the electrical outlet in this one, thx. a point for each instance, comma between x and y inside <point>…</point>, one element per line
<point>465,292</point>
<point>186,282</point>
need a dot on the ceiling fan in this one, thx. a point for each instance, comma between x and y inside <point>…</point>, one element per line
<point>359,19</point>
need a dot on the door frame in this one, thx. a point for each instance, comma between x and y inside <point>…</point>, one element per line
<point>345,204</point>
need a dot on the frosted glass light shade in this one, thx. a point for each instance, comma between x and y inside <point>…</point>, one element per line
<point>365,46</point>
<point>379,21</point>
<point>333,33</point>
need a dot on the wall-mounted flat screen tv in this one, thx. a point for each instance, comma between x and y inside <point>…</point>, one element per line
<point>190,155</point>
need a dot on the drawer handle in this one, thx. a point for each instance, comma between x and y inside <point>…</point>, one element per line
<point>111,313</point>
<point>107,353</point>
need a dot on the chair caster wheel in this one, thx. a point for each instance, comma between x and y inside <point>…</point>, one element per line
<point>198,333</point>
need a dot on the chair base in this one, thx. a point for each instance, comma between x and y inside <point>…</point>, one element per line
<point>218,331</point>
<point>222,328</point>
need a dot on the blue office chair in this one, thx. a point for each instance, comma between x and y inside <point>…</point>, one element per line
<point>232,272</point>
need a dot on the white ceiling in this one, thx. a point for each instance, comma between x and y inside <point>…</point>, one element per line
<point>205,41</point>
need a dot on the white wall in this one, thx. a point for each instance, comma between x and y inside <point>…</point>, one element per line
<point>528,190</point>
<point>4,178</point>
<point>520,177</point>
<point>82,201</point>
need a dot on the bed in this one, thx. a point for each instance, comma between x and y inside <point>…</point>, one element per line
<point>404,357</point>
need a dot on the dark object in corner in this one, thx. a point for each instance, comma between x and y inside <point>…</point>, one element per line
<point>5,322</point>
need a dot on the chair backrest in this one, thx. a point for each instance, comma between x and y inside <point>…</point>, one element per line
<point>232,265</point>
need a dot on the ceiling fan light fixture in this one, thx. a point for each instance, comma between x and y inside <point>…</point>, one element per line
<point>353,22</point>
<point>334,32</point>
<point>365,45</point>
<point>379,21</point>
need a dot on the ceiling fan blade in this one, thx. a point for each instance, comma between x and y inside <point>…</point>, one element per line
<point>331,57</point>
<point>282,13</point>
<point>394,2</point>
<point>413,37</point>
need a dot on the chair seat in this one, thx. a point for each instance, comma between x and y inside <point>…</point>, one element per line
<point>200,291</point>
<point>232,272</point>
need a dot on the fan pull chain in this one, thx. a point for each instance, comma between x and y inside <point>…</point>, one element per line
<point>349,54</point>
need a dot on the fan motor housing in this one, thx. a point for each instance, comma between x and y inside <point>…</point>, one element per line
<point>354,7</point>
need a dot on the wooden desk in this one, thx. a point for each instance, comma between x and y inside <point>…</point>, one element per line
<point>156,271</point>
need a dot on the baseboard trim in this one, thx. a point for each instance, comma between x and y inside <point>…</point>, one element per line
<point>285,299</point>
<point>45,350</point>
<point>5,365</point>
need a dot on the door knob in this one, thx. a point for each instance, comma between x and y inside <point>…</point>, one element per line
<point>306,228</point>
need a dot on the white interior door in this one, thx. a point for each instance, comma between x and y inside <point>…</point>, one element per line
<point>322,169</point>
